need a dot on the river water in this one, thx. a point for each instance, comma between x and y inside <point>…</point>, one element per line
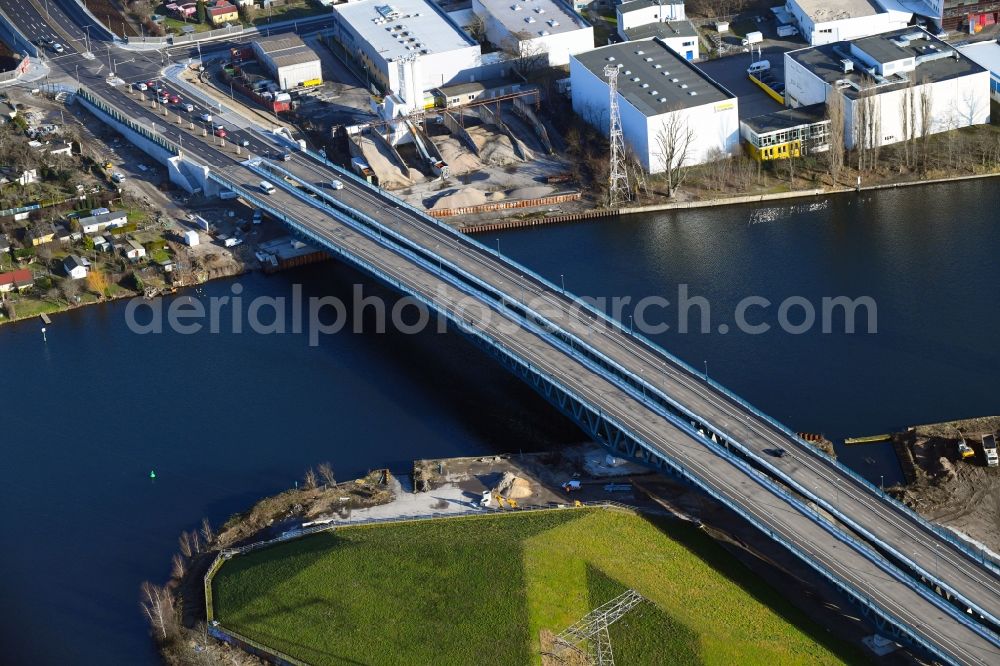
<point>226,418</point>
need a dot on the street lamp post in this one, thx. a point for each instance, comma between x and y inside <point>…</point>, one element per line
<point>706,370</point>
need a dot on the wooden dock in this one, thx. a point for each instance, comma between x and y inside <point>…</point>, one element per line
<point>871,439</point>
<point>45,319</point>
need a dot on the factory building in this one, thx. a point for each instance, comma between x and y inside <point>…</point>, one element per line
<point>658,91</point>
<point>546,29</point>
<point>986,54</point>
<point>407,47</point>
<point>681,36</point>
<point>881,76</point>
<point>828,21</point>
<point>289,61</point>
<point>634,13</point>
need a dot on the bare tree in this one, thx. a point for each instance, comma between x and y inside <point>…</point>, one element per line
<point>158,605</point>
<point>184,541</point>
<point>326,473</point>
<point>207,533</point>
<point>178,566</point>
<point>70,289</point>
<point>526,55</point>
<point>835,113</point>
<point>310,479</point>
<point>477,28</point>
<point>926,120</point>
<point>674,143</point>
<point>867,128</point>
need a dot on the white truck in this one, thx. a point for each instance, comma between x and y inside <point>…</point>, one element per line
<point>755,37</point>
<point>990,450</point>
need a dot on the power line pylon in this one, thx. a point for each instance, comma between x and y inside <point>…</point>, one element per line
<point>590,636</point>
<point>618,189</point>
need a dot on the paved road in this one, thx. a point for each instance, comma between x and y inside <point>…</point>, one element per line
<point>660,375</point>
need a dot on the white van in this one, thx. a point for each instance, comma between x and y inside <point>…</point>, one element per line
<point>266,187</point>
<point>759,66</point>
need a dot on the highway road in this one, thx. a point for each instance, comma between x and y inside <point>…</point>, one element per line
<point>659,374</point>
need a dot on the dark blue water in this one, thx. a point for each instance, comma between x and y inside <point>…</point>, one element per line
<point>225,419</point>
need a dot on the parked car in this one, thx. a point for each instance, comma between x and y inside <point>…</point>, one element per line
<point>206,117</point>
<point>118,177</point>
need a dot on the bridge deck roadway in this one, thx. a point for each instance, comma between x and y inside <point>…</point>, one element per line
<point>959,642</point>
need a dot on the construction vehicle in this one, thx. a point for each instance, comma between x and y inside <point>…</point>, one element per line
<point>571,486</point>
<point>990,450</point>
<point>964,450</point>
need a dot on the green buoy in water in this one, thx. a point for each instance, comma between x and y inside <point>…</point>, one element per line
<point>152,474</point>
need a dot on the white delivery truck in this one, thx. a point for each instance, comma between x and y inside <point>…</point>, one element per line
<point>990,450</point>
<point>755,37</point>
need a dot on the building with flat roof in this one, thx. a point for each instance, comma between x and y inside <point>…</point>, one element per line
<point>289,61</point>
<point>657,89</point>
<point>828,21</point>
<point>681,36</point>
<point>884,74</point>
<point>633,13</point>
<point>547,29</point>
<point>787,133</point>
<point>406,47</point>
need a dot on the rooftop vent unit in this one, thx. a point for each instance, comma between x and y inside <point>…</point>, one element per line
<point>684,86</point>
<point>693,93</point>
<point>673,80</point>
<point>610,58</point>
<point>847,65</point>
<point>645,85</point>
<point>539,10</point>
<point>515,7</point>
<point>648,59</point>
<point>543,33</point>
<point>636,79</point>
<point>529,19</point>
<point>639,52</point>
<point>554,23</point>
<point>663,100</point>
<point>657,66</point>
<point>654,93</point>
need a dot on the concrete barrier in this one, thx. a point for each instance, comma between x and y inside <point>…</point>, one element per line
<point>525,111</point>
<point>453,126</point>
<point>506,205</point>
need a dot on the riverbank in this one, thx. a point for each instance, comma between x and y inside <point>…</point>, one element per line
<point>961,493</point>
<point>448,487</point>
<point>542,218</point>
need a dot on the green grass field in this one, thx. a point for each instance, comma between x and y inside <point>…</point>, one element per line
<point>480,590</point>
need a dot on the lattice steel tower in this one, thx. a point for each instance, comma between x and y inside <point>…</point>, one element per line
<point>618,190</point>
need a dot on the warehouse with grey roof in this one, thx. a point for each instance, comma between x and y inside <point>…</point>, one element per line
<point>289,61</point>
<point>659,93</point>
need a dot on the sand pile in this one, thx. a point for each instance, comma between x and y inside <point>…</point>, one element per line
<point>494,148</point>
<point>535,192</point>
<point>462,198</point>
<point>389,175</point>
<point>513,486</point>
<point>459,158</point>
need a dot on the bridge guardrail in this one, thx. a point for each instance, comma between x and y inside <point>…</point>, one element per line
<point>979,555</point>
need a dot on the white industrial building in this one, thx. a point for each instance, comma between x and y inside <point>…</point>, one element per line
<point>407,47</point>
<point>986,54</point>
<point>530,28</point>
<point>886,73</point>
<point>681,36</point>
<point>828,21</point>
<point>289,60</point>
<point>634,13</point>
<point>657,88</point>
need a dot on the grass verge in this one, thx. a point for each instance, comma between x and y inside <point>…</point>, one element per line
<point>460,590</point>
